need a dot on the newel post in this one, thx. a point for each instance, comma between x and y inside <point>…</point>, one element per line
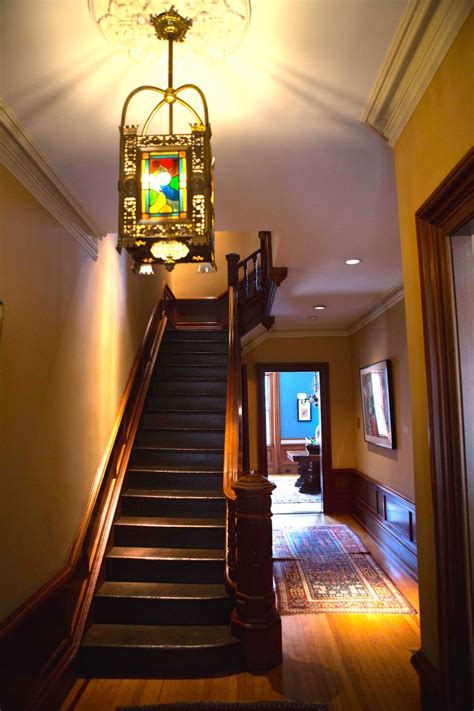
<point>233,269</point>
<point>255,619</point>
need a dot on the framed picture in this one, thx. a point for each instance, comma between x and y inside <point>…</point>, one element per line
<point>304,411</point>
<point>377,404</point>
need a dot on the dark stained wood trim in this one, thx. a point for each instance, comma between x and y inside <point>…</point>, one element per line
<point>430,683</point>
<point>328,486</point>
<point>39,640</point>
<point>343,490</point>
<point>388,516</point>
<point>448,208</point>
<point>245,420</point>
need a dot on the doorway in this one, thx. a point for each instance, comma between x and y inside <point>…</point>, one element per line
<point>294,445</point>
<point>444,226</point>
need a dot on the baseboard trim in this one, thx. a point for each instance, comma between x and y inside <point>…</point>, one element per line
<point>431,689</point>
<point>388,516</point>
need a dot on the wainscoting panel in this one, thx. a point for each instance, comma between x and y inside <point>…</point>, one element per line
<point>388,516</point>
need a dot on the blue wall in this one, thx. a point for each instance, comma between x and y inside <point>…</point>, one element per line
<point>290,385</point>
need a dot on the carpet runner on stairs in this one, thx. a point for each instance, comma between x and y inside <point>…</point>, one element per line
<point>162,606</point>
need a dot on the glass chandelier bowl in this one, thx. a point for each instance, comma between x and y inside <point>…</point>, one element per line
<point>218,25</point>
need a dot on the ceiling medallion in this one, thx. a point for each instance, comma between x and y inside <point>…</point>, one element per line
<point>125,24</point>
<point>166,211</point>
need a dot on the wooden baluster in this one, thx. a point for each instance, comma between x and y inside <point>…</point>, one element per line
<point>255,274</point>
<point>231,543</point>
<point>246,279</point>
<point>255,619</point>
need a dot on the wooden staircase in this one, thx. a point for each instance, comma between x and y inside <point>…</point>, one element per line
<point>161,605</point>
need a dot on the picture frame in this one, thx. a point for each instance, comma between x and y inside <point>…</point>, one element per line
<point>304,413</point>
<point>377,404</point>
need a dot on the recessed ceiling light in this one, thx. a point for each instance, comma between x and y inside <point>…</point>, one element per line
<point>312,317</point>
<point>319,307</point>
<point>352,261</point>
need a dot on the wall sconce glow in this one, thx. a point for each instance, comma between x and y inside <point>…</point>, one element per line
<point>166,181</point>
<point>301,396</point>
<point>319,307</point>
<point>126,25</point>
<point>146,269</point>
<point>352,262</point>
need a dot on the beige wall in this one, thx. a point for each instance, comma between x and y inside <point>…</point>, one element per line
<point>334,350</point>
<point>385,337</point>
<point>186,283</point>
<point>71,329</point>
<point>437,136</point>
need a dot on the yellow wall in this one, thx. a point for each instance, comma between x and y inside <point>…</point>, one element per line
<point>385,337</point>
<point>438,134</point>
<point>185,283</point>
<point>334,350</point>
<point>71,329</point>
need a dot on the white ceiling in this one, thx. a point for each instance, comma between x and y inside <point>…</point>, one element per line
<point>291,154</point>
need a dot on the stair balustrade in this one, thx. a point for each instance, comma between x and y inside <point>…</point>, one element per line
<point>255,619</point>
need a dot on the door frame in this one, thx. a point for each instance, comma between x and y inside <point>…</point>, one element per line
<point>327,478</point>
<point>448,209</point>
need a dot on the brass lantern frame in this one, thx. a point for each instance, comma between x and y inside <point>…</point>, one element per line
<point>196,229</point>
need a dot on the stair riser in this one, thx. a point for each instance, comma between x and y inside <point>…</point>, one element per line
<point>203,420</point>
<point>164,571</point>
<point>196,336</point>
<point>184,370</point>
<point>185,346</point>
<point>138,661</point>
<point>179,459</point>
<point>181,402</point>
<point>156,611</point>
<point>183,387</point>
<point>191,358</point>
<point>179,438</point>
<point>169,537</point>
<point>182,507</point>
<point>184,482</point>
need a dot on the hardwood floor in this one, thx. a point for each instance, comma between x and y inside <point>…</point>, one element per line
<point>351,662</point>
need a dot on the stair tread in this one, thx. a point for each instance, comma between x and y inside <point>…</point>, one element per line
<point>168,591</point>
<point>114,635</point>
<point>162,410</point>
<point>170,522</point>
<point>121,552</point>
<point>168,379</point>
<point>173,494</point>
<point>173,470</point>
<point>178,449</point>
<point>181,429</point>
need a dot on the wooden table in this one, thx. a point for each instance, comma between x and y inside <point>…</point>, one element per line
<point>309,470</point>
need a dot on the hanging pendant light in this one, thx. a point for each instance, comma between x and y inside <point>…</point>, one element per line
<point>166,186</point>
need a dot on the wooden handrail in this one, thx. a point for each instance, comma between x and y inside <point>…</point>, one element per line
<point>233,416</point>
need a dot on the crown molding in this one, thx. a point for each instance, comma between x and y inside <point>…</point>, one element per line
<point>389,299</point>
<point>292,334</point>
<point>425,33</point>
<point>23,158</point>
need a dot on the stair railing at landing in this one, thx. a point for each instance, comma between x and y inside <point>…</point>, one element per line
<point>249,571</point>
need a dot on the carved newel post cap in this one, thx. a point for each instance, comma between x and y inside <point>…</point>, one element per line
<point>253,484</point>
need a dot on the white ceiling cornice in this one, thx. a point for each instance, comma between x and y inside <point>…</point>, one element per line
<point>388,300</point>
<point>425,33</point>
<point>24,159</point>
<point>292,334</point>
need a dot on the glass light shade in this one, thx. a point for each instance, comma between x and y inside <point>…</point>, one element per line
<point>301,396</point>
<point>206,268</point>
<point>217,30</point>
<point>169,250</point>
<point>146,269</point>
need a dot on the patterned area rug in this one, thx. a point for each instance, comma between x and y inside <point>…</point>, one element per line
<point>287,493</point>
<point>328,569</point>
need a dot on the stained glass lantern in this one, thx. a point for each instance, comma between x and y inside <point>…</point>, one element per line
<point>166,193</point>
